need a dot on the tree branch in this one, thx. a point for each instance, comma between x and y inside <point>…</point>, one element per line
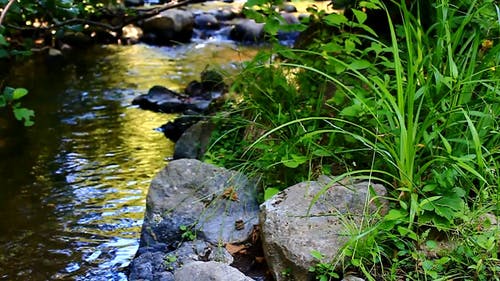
<point>149,13</point>
<point>5,9</point>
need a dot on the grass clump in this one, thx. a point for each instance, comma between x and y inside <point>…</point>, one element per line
<point>417,109</point>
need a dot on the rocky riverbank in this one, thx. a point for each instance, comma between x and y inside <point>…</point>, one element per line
<point>202,220</point>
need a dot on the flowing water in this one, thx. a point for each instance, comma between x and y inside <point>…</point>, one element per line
<point>73,186</point>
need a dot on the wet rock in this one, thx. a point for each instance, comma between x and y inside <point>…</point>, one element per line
<point>290,232</point>
<point>161,99</point>
<point>209,271</point>
<point>76,38</point>
<point>168,27</point>
<point>247,31</point>
<point>197,97</point>
<point>131,34</point>
<point>224,14</point>
<point>206,198</point>
<point>149,266</point>
<point>288,8</point>
<point>288,37</point>
<point>173,130</point>
<point>206,21</point>
<point>194,141</point>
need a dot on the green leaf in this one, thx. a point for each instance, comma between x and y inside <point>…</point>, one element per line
<point>272,26</point>
<point>446,144</point>
<point>251,3</point>
<point>8,93</point>
<point>395,215</point>
<point>3,102</point>
<point>431,244</point>
<point>322,153</point>
<point>360,64</point>
<point>360,15</point>
<point>295,161</point>
<point>349,46</point>
<point>425,204</point>
<point>352,111</point>
<point>24,113</point>
<point>3,42</point>
<point>19,93</point>
<point>429,187</point>
<point>270,192</point>
<point>406,232</point>
<point>335,19</point>
<point>317,255</point>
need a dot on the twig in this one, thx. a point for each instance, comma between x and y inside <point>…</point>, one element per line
<point>146,15</point>
<point>5,9</point>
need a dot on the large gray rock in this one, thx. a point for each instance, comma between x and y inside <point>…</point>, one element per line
<point>218,205</point>
<point>209,271</point>
<point>168,27</point>
<point>292,226</point>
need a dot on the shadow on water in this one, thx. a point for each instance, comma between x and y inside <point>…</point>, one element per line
<point>73,187</point>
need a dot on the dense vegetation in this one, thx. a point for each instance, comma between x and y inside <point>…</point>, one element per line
<point>415,107</point>
<point>406,94</point>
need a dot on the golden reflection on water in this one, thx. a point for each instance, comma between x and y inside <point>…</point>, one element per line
<point>76,200</point>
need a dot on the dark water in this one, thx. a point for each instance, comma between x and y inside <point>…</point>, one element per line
<point>73,187</point>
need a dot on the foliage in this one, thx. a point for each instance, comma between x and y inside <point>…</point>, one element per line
<point>417,110</point>
<point>10,98</point>
<point>188,232</point>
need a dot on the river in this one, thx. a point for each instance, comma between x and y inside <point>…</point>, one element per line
<point>73,186</point>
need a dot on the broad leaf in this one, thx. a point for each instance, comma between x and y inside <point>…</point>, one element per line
<point>360,64</point>
<point>270,192</point>
<point>24,113</point>
<point>335,19</point>
<point>3,42</point>
<point>360,15</point>
<point>19,93</point>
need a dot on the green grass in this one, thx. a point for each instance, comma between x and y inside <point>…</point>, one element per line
<point>417,112</point>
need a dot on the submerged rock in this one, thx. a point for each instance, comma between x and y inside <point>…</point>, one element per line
<point>293,225</point>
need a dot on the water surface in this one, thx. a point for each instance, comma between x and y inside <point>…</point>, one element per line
<point>73,187</point>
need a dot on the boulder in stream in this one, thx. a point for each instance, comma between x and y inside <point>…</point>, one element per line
<point>161,99</point>
<point>247,31</point>
<point>207,199</point>
<point>187,200</point>
<point>168,27</point>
